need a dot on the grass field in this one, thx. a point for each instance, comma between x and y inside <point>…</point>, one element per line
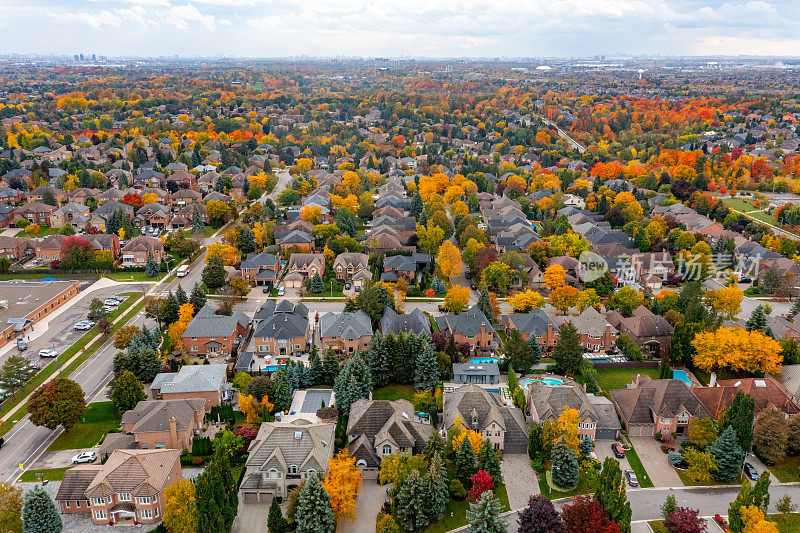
<point>687,481</point>
<point>554,494</point>
<point>133,276</point>
<point>619,378</point>
<point>657,526</point>
<point>50,474</point>
<point>99,419</point>
<point>455,514</point>
<point>787,471</point>
<point>394,392</point>
<point>738,204</point>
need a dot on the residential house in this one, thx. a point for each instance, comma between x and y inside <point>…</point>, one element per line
<point>126,490</point>
<point>346,332</point>
<point>348,265</point>
<point>103,242</point>
<point>414,322</point>
<point>210,334</point>
<point>283,331</point>
<point>475,408</point>
<point>598,418</point>
<point>470,327</point>
<point>70,213</point>
<point>535,322</point>
<point>767,393</point>
<point>48,248</point>
<point>13,247</point>
<point>81,194</point>
<point>39,193</point>
<point>139,249</point>
<point>378,428</point>
<point>33,212</point>
<point>261,269</point>
<point>283,455</point>
<point>302,266</point>
<point>206,382</point>
<point>650,331</point>
<point>597,333</point>
<point>184,197</point>
<point>478,373</point>
<point>155,215</point>
<point>171,424</point>
<point>657,406</point>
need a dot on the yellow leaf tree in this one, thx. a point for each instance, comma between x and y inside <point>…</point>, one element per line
<point>522,302</point>
<point>567,423</point>
<point>430,237</point>
<point>342,484</point>
<point>563,298</point>
<point>737,349</point>
<point>449,260</point>
<point>179,507</point>
<point>475,438</point>
<point>457,298</point>
<point>587,298</point>
<point>726,301</point>
<point>311,213</point>
<point>755,521</point>
<point>249,406</point>
<point>149,198</point>
<point>554,276</point>
<point>227,253</point>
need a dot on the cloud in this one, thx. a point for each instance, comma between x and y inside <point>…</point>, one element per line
<point>184,17</point>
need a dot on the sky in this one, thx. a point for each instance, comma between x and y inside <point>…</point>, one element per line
<point>400,28</point>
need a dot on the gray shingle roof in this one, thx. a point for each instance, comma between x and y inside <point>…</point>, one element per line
<point>206,324</point>
<point>413,322</point>
<point>467,323</point>
<point>191,378</point>
<point>154,415</point>
<point>276,446</point>
<point>345,325</point>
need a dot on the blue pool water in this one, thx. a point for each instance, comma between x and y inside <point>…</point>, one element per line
<point>272,368</point>
<point>494,391</point>
<point>681,375</point>
<point>546,381</point>
<point>484,360</point>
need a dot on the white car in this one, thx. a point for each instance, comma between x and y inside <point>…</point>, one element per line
<point>281,291</point>
<point>112,302</point>
<point>84,457</point>
<point>84,325</point>
<point>48,353</point>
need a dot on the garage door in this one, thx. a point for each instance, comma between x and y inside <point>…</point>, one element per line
<point>606,434</point>
<point>250,497</point>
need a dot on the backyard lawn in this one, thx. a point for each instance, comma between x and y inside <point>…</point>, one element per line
<point>99,419</point>
<point>394,392</point>
<point>455,514</point>
<point>738,204</point>
<point>619,378</point>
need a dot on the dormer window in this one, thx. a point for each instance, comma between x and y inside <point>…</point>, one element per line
<point>292,469</point>
<point>683,418</point>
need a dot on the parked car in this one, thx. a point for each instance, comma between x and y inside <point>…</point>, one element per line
<point>281,291</point>
<point>443,308</point>
<point>619,451</point>
<point>21,344</point>
<point>347,286</point>
<point>84,325</point>
<point>750,471</point>
<point>112,302</point>
<point>358,289</point>
<point>630,475</point>
<point>120,299</point>
<point>265,290</point>
<point>46,352</point>
<point>108,308</point>
<point>84,457</point>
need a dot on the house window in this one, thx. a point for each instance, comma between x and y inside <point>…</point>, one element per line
<point>194,348</point>
<point>272,474</point>
<point>100,515</point>
<point>145,513</point>
<point>66,504</point>
<point>124,496</point>
<point>666,421</point>
<point>160,446</point>
<point>262,348</point>
<point>156,511</point>
<point>98,501</point>
<point>143,500</point>
<point>683,418</point>
<point>387,449</point>
<point>292,469</point>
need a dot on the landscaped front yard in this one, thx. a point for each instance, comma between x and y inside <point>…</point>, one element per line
<point>49,474</point>
<point>455,514</point>
<point>99,419</point>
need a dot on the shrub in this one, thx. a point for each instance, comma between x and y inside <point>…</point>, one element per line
<point>675,458</point>
<point>202,446</point>
<point>457,490</point>
<point>197,461</point>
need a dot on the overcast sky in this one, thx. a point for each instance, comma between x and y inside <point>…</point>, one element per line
<point>431,28</point>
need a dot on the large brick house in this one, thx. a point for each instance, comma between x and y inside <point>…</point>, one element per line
<point>126,490</point>
<point>470,327</point>
<point>346,332</point>
<point>208,382</point>
<point>649,331</point>
<point>282,330</point>
<point>33,212</point>
<point>171,424</point>
<point>598,419</point>
<point>597,333</point>
<point>261,269</point>
<point>347,264</point>
<point>209,333</point>
<point>138,249</point>
<point>535,322</point>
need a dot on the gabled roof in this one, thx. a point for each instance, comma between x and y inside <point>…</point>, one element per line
<point>283,325</point>
<point>191,378</point>
<point>300,443</point>
<point>140,472</point>
<point>154,415</point>
<point>467,323</point>
<point>208,324</point>
<point>383,420</point>
<point>534,322</point>
<point>549,402</point>
<point>345,325</point>
<point>661,397</point>
<point>414,322</point>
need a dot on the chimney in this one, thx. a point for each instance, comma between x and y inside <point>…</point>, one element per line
<point>173,431</point>
<point>712,380</point>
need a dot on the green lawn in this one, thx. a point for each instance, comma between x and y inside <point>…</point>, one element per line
<point>455,514</point>
<point>554,494</point>
<point>619,378</point>
<point>738,204</point>
<point>657,526</point>
<point>687,481</point>
<point>394,392</point>
<point>50,474</point>
<point>790,525</point>
<point>133,276</point>
<point>61,360</point>
<point>434,326</point>
<point>638,468</point>
<point>99,419</point>
<point>787,471</point>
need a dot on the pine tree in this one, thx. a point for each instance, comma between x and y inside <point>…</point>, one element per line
<point>465,461</point>
<point>610,493</point>
<point>757,320</point>
<point>518,352</point>
<point>416,204</point>
<point>434,445</point>
<point>728,455</point>
<point>413,505</point>
<point>378,360</point>
<point>585,447</point>
<point>564,469</point>
<point>151,269</point>
<point>485,303</point>
<point>171,309</point>
<point>281,390</point>
<point>39,514</point>
<point>483,516</point>
<point>536,350</point>
<point>216,498</point>
<point>315,368</point>
<point>315,284</point>
<point>488,460</point>
<point>568,353</point>
<point>181,296</point>
<point>426,369</point>
<point>353,383</point>
<point>795,307</point>
<point>197,298</point>
<point>740,415</point>
<point>438,487</point>
<point>214,273</point>
<point>276,523</point>
<point>197,221</point>
<point>330,367</point>
<point>314,513</point>
<point>248,243</point>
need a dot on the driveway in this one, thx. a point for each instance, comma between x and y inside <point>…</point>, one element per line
<point>520,479</point>
<point>655,462</point>
<point>251,517</point>
<point>60,458</point>
<point>602,448</point>
<point>368,503</point>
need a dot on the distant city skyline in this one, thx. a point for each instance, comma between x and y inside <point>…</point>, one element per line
<point>396,28</point>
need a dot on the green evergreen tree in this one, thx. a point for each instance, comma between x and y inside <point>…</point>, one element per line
<point>127,392</point>
<point>151,268</point>
<point>488,460</point>
<point>170,310</point>
<point>485,304</point>
<point>314,513</point>
<point>181,296</point>
<point>39,514</point>
<point>315,367</point>
<point>610,493</point>
<point>416,204</point>
<point>434,445</point>
<point>354,382</point>
<point>281,390</point>
<point>568,352</point>
<point>438,487</point>
<point>198,225</point>
<point>757,320</point>
<point>564,466</point>
<point>315,284</point>
<point>585,447</point>
<point>330,367</point>
<point>248,243</point>
<point>214,273</point>
<point>413,503</point>
<point>728,455</point>
<point>518,352</point>
<point>426,368</point>
<point>536,350</point>
<point>276,523</point>
<point>216,498</point>
<point>378,360</point>
<point>197,298</point>
<point>535,445</point>
<point>465,461</point>
<point>740,415</point>
<point>483,516</point>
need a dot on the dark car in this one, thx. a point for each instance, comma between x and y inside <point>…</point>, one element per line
<point>619,452</point>
<point>443,309</point>
<point>468,275</point>
<point>750,471</point>
<point>473,287</point>
<point>265,290</point>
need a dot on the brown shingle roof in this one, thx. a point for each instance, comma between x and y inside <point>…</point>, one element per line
<point>140,472</point>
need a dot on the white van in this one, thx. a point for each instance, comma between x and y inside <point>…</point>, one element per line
<point>182,271</point>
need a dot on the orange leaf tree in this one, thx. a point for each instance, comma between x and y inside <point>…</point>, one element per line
<point>563,298</point>
<point>342,484</point>
<point>457,298</point>
<point>554,277</point>
<point>449,260</point>
<point>737,349</point>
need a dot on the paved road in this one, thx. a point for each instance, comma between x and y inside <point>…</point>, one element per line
<point>25,442</point>
<point>572,142</point>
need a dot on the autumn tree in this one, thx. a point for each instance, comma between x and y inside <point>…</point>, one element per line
<point>449,260</point>
<point>180,514</point>
<point>626,300</point>
<point>726,301</point>
<point>540,516</point>
<point>10,508</point>
<point>702,432</point>
<point>58,402</point>
<point>586,514</point>
<point>342,484</point>
<point>563,298</point>
<point>610,493</point>
<point>554,277</point>
<point>429,237</point>
<point>737,349</point>
<point>567,425</point>
<point>770,436</point>
<point>522,302</point>
<point>124,336</point>
<point>685,520</point>
<point>700,465</point>
<point>587,298</point>
<point>481,482</point>
<point>457,298</point>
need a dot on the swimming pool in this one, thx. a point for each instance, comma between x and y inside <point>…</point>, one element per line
<point>681,375</point>
<point>484,360</point>
<point>547,381</point>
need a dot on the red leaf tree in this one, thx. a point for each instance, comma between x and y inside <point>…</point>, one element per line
<point>685,520</point>
<point>586,514</point>
<point>481,482</point>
